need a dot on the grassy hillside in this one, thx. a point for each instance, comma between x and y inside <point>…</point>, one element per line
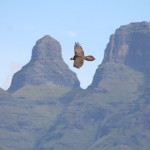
<point>28,114</point>
<point>111,114</point>
<point>40,91</point>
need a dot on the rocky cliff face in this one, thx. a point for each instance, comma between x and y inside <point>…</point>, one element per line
<point>46,67</point>
<point>129,45</point>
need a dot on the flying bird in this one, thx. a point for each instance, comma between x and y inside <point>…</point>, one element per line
<point>79,56</point>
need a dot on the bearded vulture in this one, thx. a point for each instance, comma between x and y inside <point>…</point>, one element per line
<point>79,56</point>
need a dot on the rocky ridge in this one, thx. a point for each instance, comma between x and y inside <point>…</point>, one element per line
<point>46,67</point>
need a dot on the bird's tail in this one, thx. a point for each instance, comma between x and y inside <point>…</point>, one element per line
<point>89,58</point>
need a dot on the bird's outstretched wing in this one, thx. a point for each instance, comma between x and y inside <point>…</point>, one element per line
<point>89,58</point>
<point>78,50</point>
<point>78,61</point>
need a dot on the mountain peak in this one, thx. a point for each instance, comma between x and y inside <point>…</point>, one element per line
<point>45,67</point>
<point>129,45</point>
<point>46,39</point>
<point>46,47</point>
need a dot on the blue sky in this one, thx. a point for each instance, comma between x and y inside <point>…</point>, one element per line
<point>89,22</point>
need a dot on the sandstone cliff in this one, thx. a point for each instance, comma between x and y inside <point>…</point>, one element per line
<point>129,45</point>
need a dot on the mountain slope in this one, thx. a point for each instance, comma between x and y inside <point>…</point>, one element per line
<point>46,110</point>
<point>113,112</point>
<point>102,115</point>
<point>32,104</point>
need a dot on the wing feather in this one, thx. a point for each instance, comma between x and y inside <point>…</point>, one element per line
<point>89,58</point>
<point>78,61</point>
<point>78,50</point>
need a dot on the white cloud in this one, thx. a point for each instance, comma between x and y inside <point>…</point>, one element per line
<point>71,33</point>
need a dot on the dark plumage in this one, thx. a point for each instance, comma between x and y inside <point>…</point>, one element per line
<point>79,56</point>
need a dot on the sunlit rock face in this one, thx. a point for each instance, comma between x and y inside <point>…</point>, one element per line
<point>130,45</point>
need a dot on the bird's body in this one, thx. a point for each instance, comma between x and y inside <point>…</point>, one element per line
<point>79,56</point>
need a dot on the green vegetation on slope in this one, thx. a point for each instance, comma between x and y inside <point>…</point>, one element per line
<point>40,91</point>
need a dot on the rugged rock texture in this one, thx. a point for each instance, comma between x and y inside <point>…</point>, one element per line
<point>46,67</point>
<point>130,45</point>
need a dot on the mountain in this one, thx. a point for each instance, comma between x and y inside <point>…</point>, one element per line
<point>45,109</point>
<point>32,104</point>
<point>113,112</point>
<point>45,72</point>
<point>128,42</point>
